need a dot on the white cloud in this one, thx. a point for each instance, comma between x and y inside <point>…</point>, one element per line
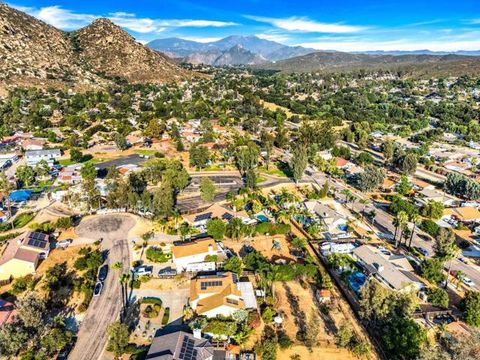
<point>195,23</point>
<point>201,39</point>
<point>280,38</point>
<point>303,24</point>
<point>401,45</point>
<point>68,20</point>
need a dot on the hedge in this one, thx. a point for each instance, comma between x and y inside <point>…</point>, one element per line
<point>157,255</point>
<point>151,300</point>
<point>166,316</point>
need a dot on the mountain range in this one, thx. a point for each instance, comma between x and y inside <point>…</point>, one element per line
<point>232,50</point>
<point>321,61</point>
<point>35,53</point>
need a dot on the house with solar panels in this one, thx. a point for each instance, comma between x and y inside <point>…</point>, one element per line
<point>182,346</point>
<point>199,255</point>
<point>220,294</point>
<point>215,211</point>
<point>23,254</point>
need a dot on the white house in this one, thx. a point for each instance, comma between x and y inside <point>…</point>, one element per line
<point>33,157</point>
<point>200,255</point>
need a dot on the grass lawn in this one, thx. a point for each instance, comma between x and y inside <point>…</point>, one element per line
<point>260,179</point>
<point>273,170</point>
<point>19,221</point>
<point>146,152</point>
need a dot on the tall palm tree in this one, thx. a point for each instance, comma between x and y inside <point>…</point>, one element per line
<point>400,220</point>
<point>124,280</point>
<point>365,203</point>
<point>176,216</point>
<point>414,220</point>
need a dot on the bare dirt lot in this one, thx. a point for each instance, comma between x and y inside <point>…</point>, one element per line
<point>105,226</point>
<point>264,245</point>
<point>297,304</point>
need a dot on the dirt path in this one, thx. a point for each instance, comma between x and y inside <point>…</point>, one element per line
<point>104,309</point>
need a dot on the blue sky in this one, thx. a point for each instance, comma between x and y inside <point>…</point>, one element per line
<point>348,25</point>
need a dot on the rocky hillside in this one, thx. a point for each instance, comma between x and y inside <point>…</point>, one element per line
<point>109,50</point>
<point>34,53</point>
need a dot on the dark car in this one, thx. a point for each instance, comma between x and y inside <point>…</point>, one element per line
<point>63,354</point>
<point>97,290</point>
<point>103,272</point>
<point>167,273</point>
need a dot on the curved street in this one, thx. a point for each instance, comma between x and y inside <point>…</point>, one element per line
<point>104,309</point>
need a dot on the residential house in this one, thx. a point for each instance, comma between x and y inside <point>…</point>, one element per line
<point>199,255</point>
<point>427,195</point>
<point>33,157</point>
<point>391,270</point>
<point>70,174</point>
<point>199,220</point>
<point>180,345</point>
<point>22,255</point>
<point>388,185</point>
<point>464,214</point>
<point>33,144</point>
<point>220,294</point>
<point>335,223</point>
<point>8,313</point>
<point>4,216</point>
<point>343,164</point>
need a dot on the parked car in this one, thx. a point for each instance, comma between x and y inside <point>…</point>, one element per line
<point>467,281</point>
<point>97,290</point>
<point>102,273</point>
<point>143,270</point>
<point>422,251</point>
<point>167,272</point>
<point>63,354</point>
<point>63,244</point>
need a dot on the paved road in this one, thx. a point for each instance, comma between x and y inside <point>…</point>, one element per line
<point>384,223</point>
<point>104,309</point>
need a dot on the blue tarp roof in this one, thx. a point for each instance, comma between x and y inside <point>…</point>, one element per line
<point>356,281</point>
<point>20,195</point>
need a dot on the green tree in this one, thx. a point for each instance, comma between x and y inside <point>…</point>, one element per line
<point>216,228</point>
<point>25,175</point>
<point>234,264</point>
<point>199,156</point>
<point>438,297</point>
<point>246,157</point>
<point>370,179</point>
<point>76,155</point>
<point>31,309</point>
<point>299,161</point>
<point>408,164</point>
<point>207,189</point>
<point>404,337</point>
<point>235,228</point>
<point>117,339</point>
<point>251,179</point>
<point>42,169</point>
<point>432,210</point>
<point>6,188</point>
<point>88,171</point>
<point>404,187</point>
<point>471,308</point>
<point>120,141</point>
<point>163,200</point>
<point>267,140</point>
<point>13,337</point>
<point>432,270</point>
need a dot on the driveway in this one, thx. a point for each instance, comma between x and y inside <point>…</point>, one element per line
<point>174,299</point>
<point>104,309</point>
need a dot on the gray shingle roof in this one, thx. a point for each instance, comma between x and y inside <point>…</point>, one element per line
<point>180,345</point>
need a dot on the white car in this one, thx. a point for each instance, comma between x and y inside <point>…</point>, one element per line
<point>467,281</point>
<point>143,270</point>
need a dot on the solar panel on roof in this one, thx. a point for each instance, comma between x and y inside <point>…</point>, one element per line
<point>187,352</point>
<point>202,217</point>
<point>227,216</point>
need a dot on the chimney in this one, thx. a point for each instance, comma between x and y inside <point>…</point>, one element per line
<point>197,333</point>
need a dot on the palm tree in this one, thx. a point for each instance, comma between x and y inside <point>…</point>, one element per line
<point>124,280</point>
<point>413,219</point>
<point>365,203</point>
<point>235,229</point>
<point>399,222</point>
<point>282,216</point>
<point>176,216</point>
